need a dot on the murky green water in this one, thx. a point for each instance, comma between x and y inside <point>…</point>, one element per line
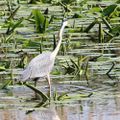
<point>91,96</point>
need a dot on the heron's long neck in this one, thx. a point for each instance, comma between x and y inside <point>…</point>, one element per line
<point>59,41</point>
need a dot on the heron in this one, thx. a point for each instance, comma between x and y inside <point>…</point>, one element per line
<point>41,65</point>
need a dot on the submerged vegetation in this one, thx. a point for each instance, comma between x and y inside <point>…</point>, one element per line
<point>91,44</point>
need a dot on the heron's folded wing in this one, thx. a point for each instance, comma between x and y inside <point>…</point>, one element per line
<point>26,74</point>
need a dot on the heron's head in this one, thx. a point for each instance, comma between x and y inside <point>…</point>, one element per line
<point>65,23</point>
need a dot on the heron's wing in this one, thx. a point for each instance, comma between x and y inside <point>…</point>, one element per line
<point>26,74</point>
<point>41,65</point>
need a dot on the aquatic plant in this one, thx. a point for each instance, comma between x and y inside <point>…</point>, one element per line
<point>77,68</point>
<point>24,60</point>
<point>65,6</point>
<point>115,31</point>
<point>60,97</point>
<point>40,21</point>
<point>33,1</point>
<point>105,15</point>
<point>109,10</point>
<point>13,13</point>
<point>118,1</point>
<point>43,96</point>
<point>12,25</point>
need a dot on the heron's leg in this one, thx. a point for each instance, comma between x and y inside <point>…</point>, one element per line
<point>36,79</point>
<point>35,83</point>
<point>49,83</point>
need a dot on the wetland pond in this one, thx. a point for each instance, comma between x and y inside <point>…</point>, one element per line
<point>86,75</point>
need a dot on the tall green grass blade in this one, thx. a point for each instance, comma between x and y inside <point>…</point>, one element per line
<point>12,26</point>
<point>107,23</point>
<point>40,21</point>
<point>75,64</point>
<point>91,25</point>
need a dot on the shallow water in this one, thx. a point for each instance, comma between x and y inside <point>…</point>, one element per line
<point>104,103</point>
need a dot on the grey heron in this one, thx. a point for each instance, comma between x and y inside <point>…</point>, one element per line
<point>42,64</point>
